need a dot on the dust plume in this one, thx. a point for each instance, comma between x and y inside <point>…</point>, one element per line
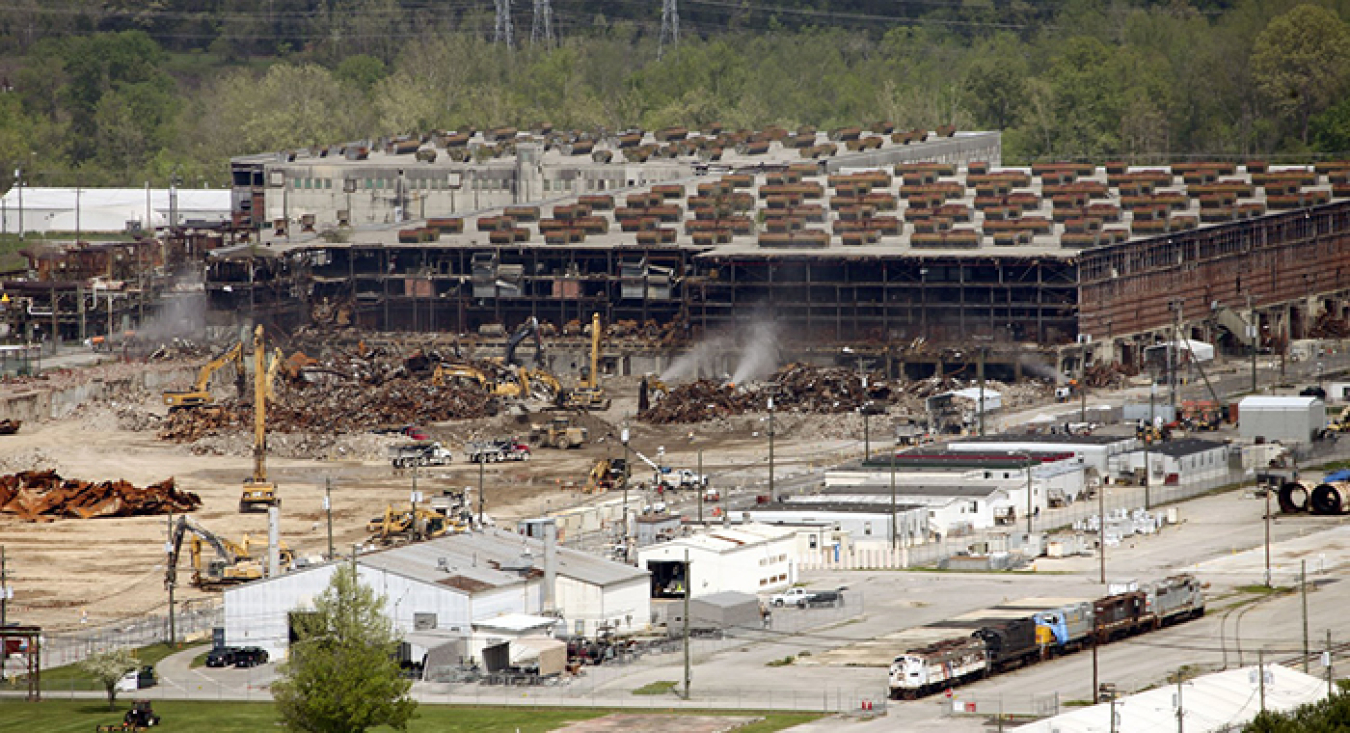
<point>752,346</point>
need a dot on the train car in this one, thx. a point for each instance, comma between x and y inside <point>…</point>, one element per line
<point>1010,643</point>
<point>1121,615</point>
<point>1062,624</point>
<point>935,660</point>
<point>1175,599</point>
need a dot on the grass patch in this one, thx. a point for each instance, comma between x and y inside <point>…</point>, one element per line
<point>1077,703</point>
<point>1262,590</point>
<point>785,661</point>
<point>81,716</point>
<point>656,688</point>
<point>71,677</point>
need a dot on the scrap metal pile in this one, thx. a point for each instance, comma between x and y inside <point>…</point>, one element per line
<point>348,395</point>
<point>41,496</point>
<point>803,388</point>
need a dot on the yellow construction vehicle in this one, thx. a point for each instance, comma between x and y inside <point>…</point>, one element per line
<point>200,394</point>
<point>559,433</point>
<point>1342,422</point>
<point>233,563</point>
<point>589,395</point>
<point>402,526</point>
<point>442,375</point>
<point>606,474</point>
<point>259,493</point>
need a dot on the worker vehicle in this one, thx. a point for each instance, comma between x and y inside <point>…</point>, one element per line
<point>589,395</point>
<point>221,656</point>
<point>250,656</point>
<point>420,453</point>
<point>559,433</point>
<point>259,493</point>
<point>801,598</point>
<point>496,451</point>
<point>140,717</point>
<point>10,427</point>
<point>234,564</point>
<point>138,679</point>
<point>200,393</point>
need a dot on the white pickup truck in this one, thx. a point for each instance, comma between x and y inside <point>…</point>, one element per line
<point>801,598</point>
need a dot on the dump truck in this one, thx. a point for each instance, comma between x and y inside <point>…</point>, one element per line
<point>420,453</point>
<point>496,451</point>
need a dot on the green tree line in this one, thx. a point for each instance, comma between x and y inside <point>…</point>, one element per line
<point>129,90</point>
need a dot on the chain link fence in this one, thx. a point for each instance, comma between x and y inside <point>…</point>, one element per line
<point>64,648</point>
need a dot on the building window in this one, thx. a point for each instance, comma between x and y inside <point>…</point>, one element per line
<point>867,528</point>
<point>812,542</point>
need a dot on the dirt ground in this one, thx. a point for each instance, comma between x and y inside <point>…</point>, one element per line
<point>112,569</point>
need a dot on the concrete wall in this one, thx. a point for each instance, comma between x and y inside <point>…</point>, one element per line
<point>37,403</point>
<point>625,606</point>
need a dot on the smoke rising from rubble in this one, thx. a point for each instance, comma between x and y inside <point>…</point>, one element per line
<point>1037,368</point>
<point>752,345</point>
<point>181,315</point>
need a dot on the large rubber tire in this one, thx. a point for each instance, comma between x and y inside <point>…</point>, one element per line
<point>564,442</point>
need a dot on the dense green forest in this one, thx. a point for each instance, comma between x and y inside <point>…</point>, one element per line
<point>118,92</point>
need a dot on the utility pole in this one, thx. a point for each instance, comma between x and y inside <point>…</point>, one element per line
<point>1181,709</point>
<point>480,494</point>
<point>891,459</point>
<point>328,507</point>
<point>688,591</point>
<point>1326,662</point>
<point>1252,331</point>
<point>1096,683</point>
<point>980,365</point>
<point>1113,713</point>
<point>1030,507</point>
<point>623,437</point>
<point>1148,437</point>
<point>1261,675</point>
<point>1082,381</point>
<point>173,635</point>
<point>4,592</point>
<point>772,496</point>
<point>702,487</point>
<point>1268,585</point>
<point>1303,590</point>
<point>1101,528</point>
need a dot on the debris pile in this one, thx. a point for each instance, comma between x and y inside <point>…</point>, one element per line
<point>803,388</point>
<point>1327,326</point>
<point>1107,376</point>
<point>40,496</point>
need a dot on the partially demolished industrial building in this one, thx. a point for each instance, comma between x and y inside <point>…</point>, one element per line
<point>919,247</point>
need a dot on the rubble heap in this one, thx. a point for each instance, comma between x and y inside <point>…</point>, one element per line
<point>804,388</point>
<point>333,403</point>
<point>41,496</point>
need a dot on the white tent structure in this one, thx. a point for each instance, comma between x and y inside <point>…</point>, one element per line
<point>106,209</point>
<point>1215,702</point>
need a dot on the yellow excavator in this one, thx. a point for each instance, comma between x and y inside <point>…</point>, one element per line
<point>259,493</point>
<point>402,526</point>
<point>518,388</point>
<point>233,563</point>
<point>200,394</point>
<point>589,395</point>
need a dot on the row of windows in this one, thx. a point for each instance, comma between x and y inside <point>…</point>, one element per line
<point>773,579</point>
<point>368,184</point>
<point>772,559</point>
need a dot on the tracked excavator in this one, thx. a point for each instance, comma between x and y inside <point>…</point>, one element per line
<point>528,328</point>
<point>200,393</point>
<point>589,395</point>
<point>233,563</point>
<point>259,492</point>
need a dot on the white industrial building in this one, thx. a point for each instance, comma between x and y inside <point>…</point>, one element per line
<point>951,509</point>
<point>1222,701</point>
<point>750,558</point>
<point>862,521</point>
<point>1059,476</point>
<point>108,209</point>
<point>1094,451</point>
<point>442,590</point>
<point>1184,462</point>
<point>1283,419</point>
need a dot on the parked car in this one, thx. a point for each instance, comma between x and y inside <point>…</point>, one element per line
<point>222,656</point>
<point>137,679</point>
<point>250,656</point>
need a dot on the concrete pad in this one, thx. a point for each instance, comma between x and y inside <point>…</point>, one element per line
<point>639,723</point>
<point>1325,551</point>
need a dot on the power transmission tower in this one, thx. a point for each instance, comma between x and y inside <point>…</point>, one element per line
<point>504,33</point>
<point>541,31</point>
<point>670,26</point>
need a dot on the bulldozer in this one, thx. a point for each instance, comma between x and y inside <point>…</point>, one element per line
<point>589,395</point>
<point>200,393</point>
<point>404,526</point>
<point>560,432</point>
<point>259,493</point>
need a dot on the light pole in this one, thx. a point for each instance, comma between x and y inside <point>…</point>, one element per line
<point>623,438</point>
<point>1252,331</point>
<point>1026,456</point>
<point>772,496</point>
<point>890,457</point>
<point>1148,436</point>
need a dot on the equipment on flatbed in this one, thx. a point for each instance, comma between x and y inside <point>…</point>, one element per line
<point>259,493</point>
<point>200,394</point>
<point>496,451</point>
<point>420,453</point>
<point>559,433</point>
